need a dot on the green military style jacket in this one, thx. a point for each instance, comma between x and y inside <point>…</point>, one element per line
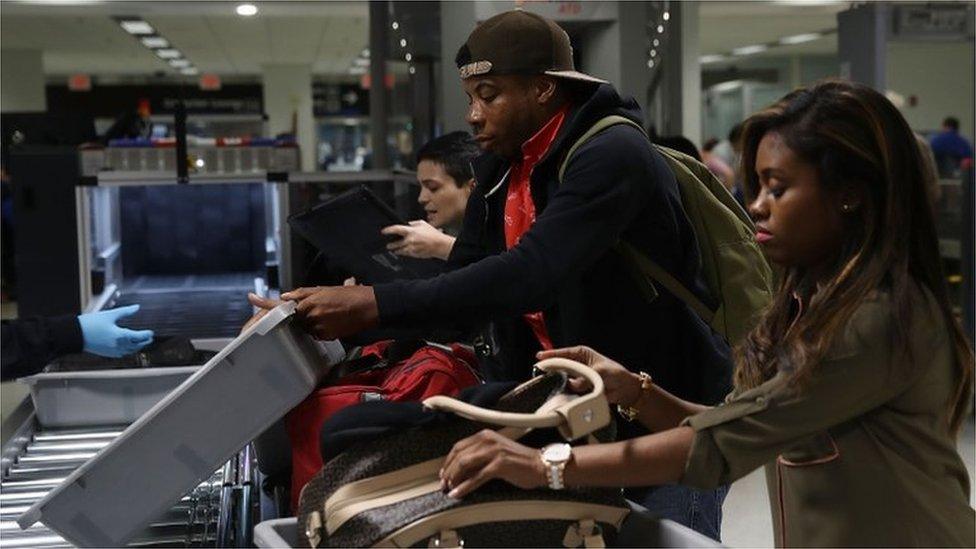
<point>860,455</point>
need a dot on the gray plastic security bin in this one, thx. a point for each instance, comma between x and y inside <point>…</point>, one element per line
<point>180,441</point>
<point>277,533</point>
<point>101,397</point>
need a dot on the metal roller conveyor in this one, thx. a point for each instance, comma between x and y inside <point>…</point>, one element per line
<point>50,448</point>
<point>49,457</point>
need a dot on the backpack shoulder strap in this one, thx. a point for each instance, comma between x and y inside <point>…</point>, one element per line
<point>643,263</point>
<point>601,125</point>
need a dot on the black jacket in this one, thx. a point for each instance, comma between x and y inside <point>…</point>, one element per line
<point>615,187</point>
<point>29,344</point>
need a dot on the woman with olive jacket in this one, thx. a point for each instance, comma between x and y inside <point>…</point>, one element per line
<point>853,386</point>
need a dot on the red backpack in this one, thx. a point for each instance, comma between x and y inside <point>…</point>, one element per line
<point>400,371</point>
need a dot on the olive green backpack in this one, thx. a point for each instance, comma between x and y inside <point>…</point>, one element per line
<point>735,271</point>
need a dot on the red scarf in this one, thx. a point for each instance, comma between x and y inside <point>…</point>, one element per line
<point>519,207</point>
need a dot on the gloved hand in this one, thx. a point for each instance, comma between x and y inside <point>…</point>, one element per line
<point>103,337</point>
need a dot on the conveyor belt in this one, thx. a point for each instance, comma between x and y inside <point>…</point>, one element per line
<point>50,456</point>
<point>195,306</point>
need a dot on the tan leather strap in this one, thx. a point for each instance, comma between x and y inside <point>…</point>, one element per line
<point>403,484</point>
<point>575,419</point>
<point>503,511</point>
<point>313,529</point>
<point>448,539</point>
<point>586,533</point>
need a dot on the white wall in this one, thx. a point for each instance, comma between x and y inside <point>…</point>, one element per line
<point>940,75</point>
<point>22,81</point>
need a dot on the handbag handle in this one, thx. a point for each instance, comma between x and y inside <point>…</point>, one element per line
<point>574,419</point>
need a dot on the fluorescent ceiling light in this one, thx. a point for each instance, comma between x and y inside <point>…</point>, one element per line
<point>61,2</point>
<point>137,26</point>
<point>749,50</point>
<point>247,10</point>
<point>727,86</point>
<point>357,70</point>
<point>800,38</point>
<point>169,53</point>
<point>808,2</point>
<point>360,62</point>
<point>155,42</point>
<point>179,63</point>
<point>189,71</point>
<point>712,58</point>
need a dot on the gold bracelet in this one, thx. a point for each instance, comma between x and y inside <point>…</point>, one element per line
<point>630,413</point>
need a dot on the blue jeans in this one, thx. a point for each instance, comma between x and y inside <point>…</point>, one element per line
<point>700,510</point>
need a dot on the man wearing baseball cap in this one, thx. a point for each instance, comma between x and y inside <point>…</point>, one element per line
<point>535,256</point>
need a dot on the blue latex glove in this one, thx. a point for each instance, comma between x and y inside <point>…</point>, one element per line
<point>103,337</point>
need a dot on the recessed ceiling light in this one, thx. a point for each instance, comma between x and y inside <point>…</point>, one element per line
<point>169,53</point>
<point>190,71</point>
<point>656,42</point>
<point>396,25</point>
<point>660,29</point>
<point>408,57</point>
<point>800,38</point>
<point>136,26</point>
<point>713,58</point>
<point>365,52</point>
<point>155,42</point>
<point>749,50</point>
<point>403,42</point>
<point>653,53</point>
<point>247,10</point>
<point>179,63</point>
<point>412,70</point>
<point>650,63</point>
<point>666,15</point>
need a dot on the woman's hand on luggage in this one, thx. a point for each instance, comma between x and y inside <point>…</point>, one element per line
<point>331,312</point>
<point>419,239</point>
<point>619,384</point>
<point>485,456</point>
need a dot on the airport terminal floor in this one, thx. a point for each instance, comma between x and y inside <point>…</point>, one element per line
<point>487,273</point>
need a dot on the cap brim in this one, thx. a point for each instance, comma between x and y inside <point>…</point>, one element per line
<point>576,75</point>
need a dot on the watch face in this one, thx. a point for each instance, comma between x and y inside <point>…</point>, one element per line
<point>557,453</point>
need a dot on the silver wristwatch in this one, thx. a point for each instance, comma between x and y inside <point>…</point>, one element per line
<point>555,457</point>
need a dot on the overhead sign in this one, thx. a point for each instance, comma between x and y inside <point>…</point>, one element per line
<point>209,82</point>
<point>556,10</point>
<point>79,82</point>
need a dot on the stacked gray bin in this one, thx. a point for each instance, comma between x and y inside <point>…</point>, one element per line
<point>185,437</point>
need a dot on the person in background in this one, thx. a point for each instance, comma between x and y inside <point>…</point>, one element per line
<point>853,387</point>
<point>950,148</point>
<point>735,139</point>
<point>446,182</point>
<point>716,165</point>
<point>28,344</point>
<point>678,143</point>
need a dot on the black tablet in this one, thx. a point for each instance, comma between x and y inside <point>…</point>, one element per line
<point>346,229</point>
